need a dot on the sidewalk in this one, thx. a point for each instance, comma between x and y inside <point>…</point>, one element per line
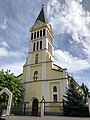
<point>47,118</point>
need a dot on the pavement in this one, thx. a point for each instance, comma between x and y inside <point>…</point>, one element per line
<point>47,118</point>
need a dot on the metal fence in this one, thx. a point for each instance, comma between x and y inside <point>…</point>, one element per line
<point>24,110</point>
<point>53,108</point>
<point>50,108</point>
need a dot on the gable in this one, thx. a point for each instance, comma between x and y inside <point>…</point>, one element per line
<point>38,24</point>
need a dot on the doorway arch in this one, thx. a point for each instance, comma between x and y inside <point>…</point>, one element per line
<point>35,107</point>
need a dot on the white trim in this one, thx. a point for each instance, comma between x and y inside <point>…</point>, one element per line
<point>30,48</point>
<point>27,85</point>
<point>29,58</point>
<point>44,85</point>
<point>48,91</point>
<point>26,93</point>
<point>36,35</point>
<point>52,50</point>
<point>47,43</point>
<point>44,56</point>
<point>28,73</point>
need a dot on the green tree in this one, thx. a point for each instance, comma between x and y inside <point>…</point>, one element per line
<point>88,94</point>
<point>74,101</point>
<point>8,80</point>
<point>86,91</point>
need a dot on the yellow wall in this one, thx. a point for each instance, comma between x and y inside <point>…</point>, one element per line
<point>35,91</point>
<point>39,56</point>
<point>24,74</point>
<point>49,56</point>
<point>36,67</point>
<point>51,91</point>
<point>52,74</point>
<point>56,107</point>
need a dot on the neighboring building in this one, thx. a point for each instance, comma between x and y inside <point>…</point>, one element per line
<point>41,77</point>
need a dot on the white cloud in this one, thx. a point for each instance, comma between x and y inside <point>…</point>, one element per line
<point>3,24</point>
<point>3,49</point>
<point>4,52</point>
<point>73,19</point>
<point>16,68</point>
<point>88,84</point>
<point>66,60</point>
<point>4,44</point>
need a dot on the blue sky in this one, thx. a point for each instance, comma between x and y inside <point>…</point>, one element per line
<point>70,20</point>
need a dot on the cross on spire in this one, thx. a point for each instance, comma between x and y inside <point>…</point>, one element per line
<point>43,5</point>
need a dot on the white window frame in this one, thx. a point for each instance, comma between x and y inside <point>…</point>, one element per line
<point>35,76</point>
<point>53,93</point>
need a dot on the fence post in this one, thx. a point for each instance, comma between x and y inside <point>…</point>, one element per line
<point>42,107</point>
<point>24,108</point>
<point>89,104</point>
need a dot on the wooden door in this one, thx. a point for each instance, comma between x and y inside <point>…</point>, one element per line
<point>35,107</point>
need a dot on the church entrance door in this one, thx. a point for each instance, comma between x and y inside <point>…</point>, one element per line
<point>35,107</point>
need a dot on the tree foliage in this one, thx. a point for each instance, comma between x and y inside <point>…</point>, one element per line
<point>8,80</point>
<point>74,101</point>
<point>88,94</point>
<point>86,91</point>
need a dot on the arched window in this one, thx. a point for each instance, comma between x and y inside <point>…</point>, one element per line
<point>35,75</point>
<point>55,94</point>
<point>54,89</point>
<point>36,58</point>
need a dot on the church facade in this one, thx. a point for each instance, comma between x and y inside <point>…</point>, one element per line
<point>41,77</point>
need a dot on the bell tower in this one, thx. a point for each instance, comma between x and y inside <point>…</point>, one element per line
<point>40,54</point>
<point>41,41</point>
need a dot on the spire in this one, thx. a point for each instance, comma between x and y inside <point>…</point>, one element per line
<point>41,17</point>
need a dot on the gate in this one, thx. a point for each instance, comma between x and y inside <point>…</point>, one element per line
<point>26,109</point>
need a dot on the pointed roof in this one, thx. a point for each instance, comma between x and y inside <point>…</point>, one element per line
<point>41,17</point>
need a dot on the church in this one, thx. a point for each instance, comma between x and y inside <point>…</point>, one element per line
<point>41,77</point>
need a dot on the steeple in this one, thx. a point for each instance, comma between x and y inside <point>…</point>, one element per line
<point>42,17</point>
<point>41,38</point>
